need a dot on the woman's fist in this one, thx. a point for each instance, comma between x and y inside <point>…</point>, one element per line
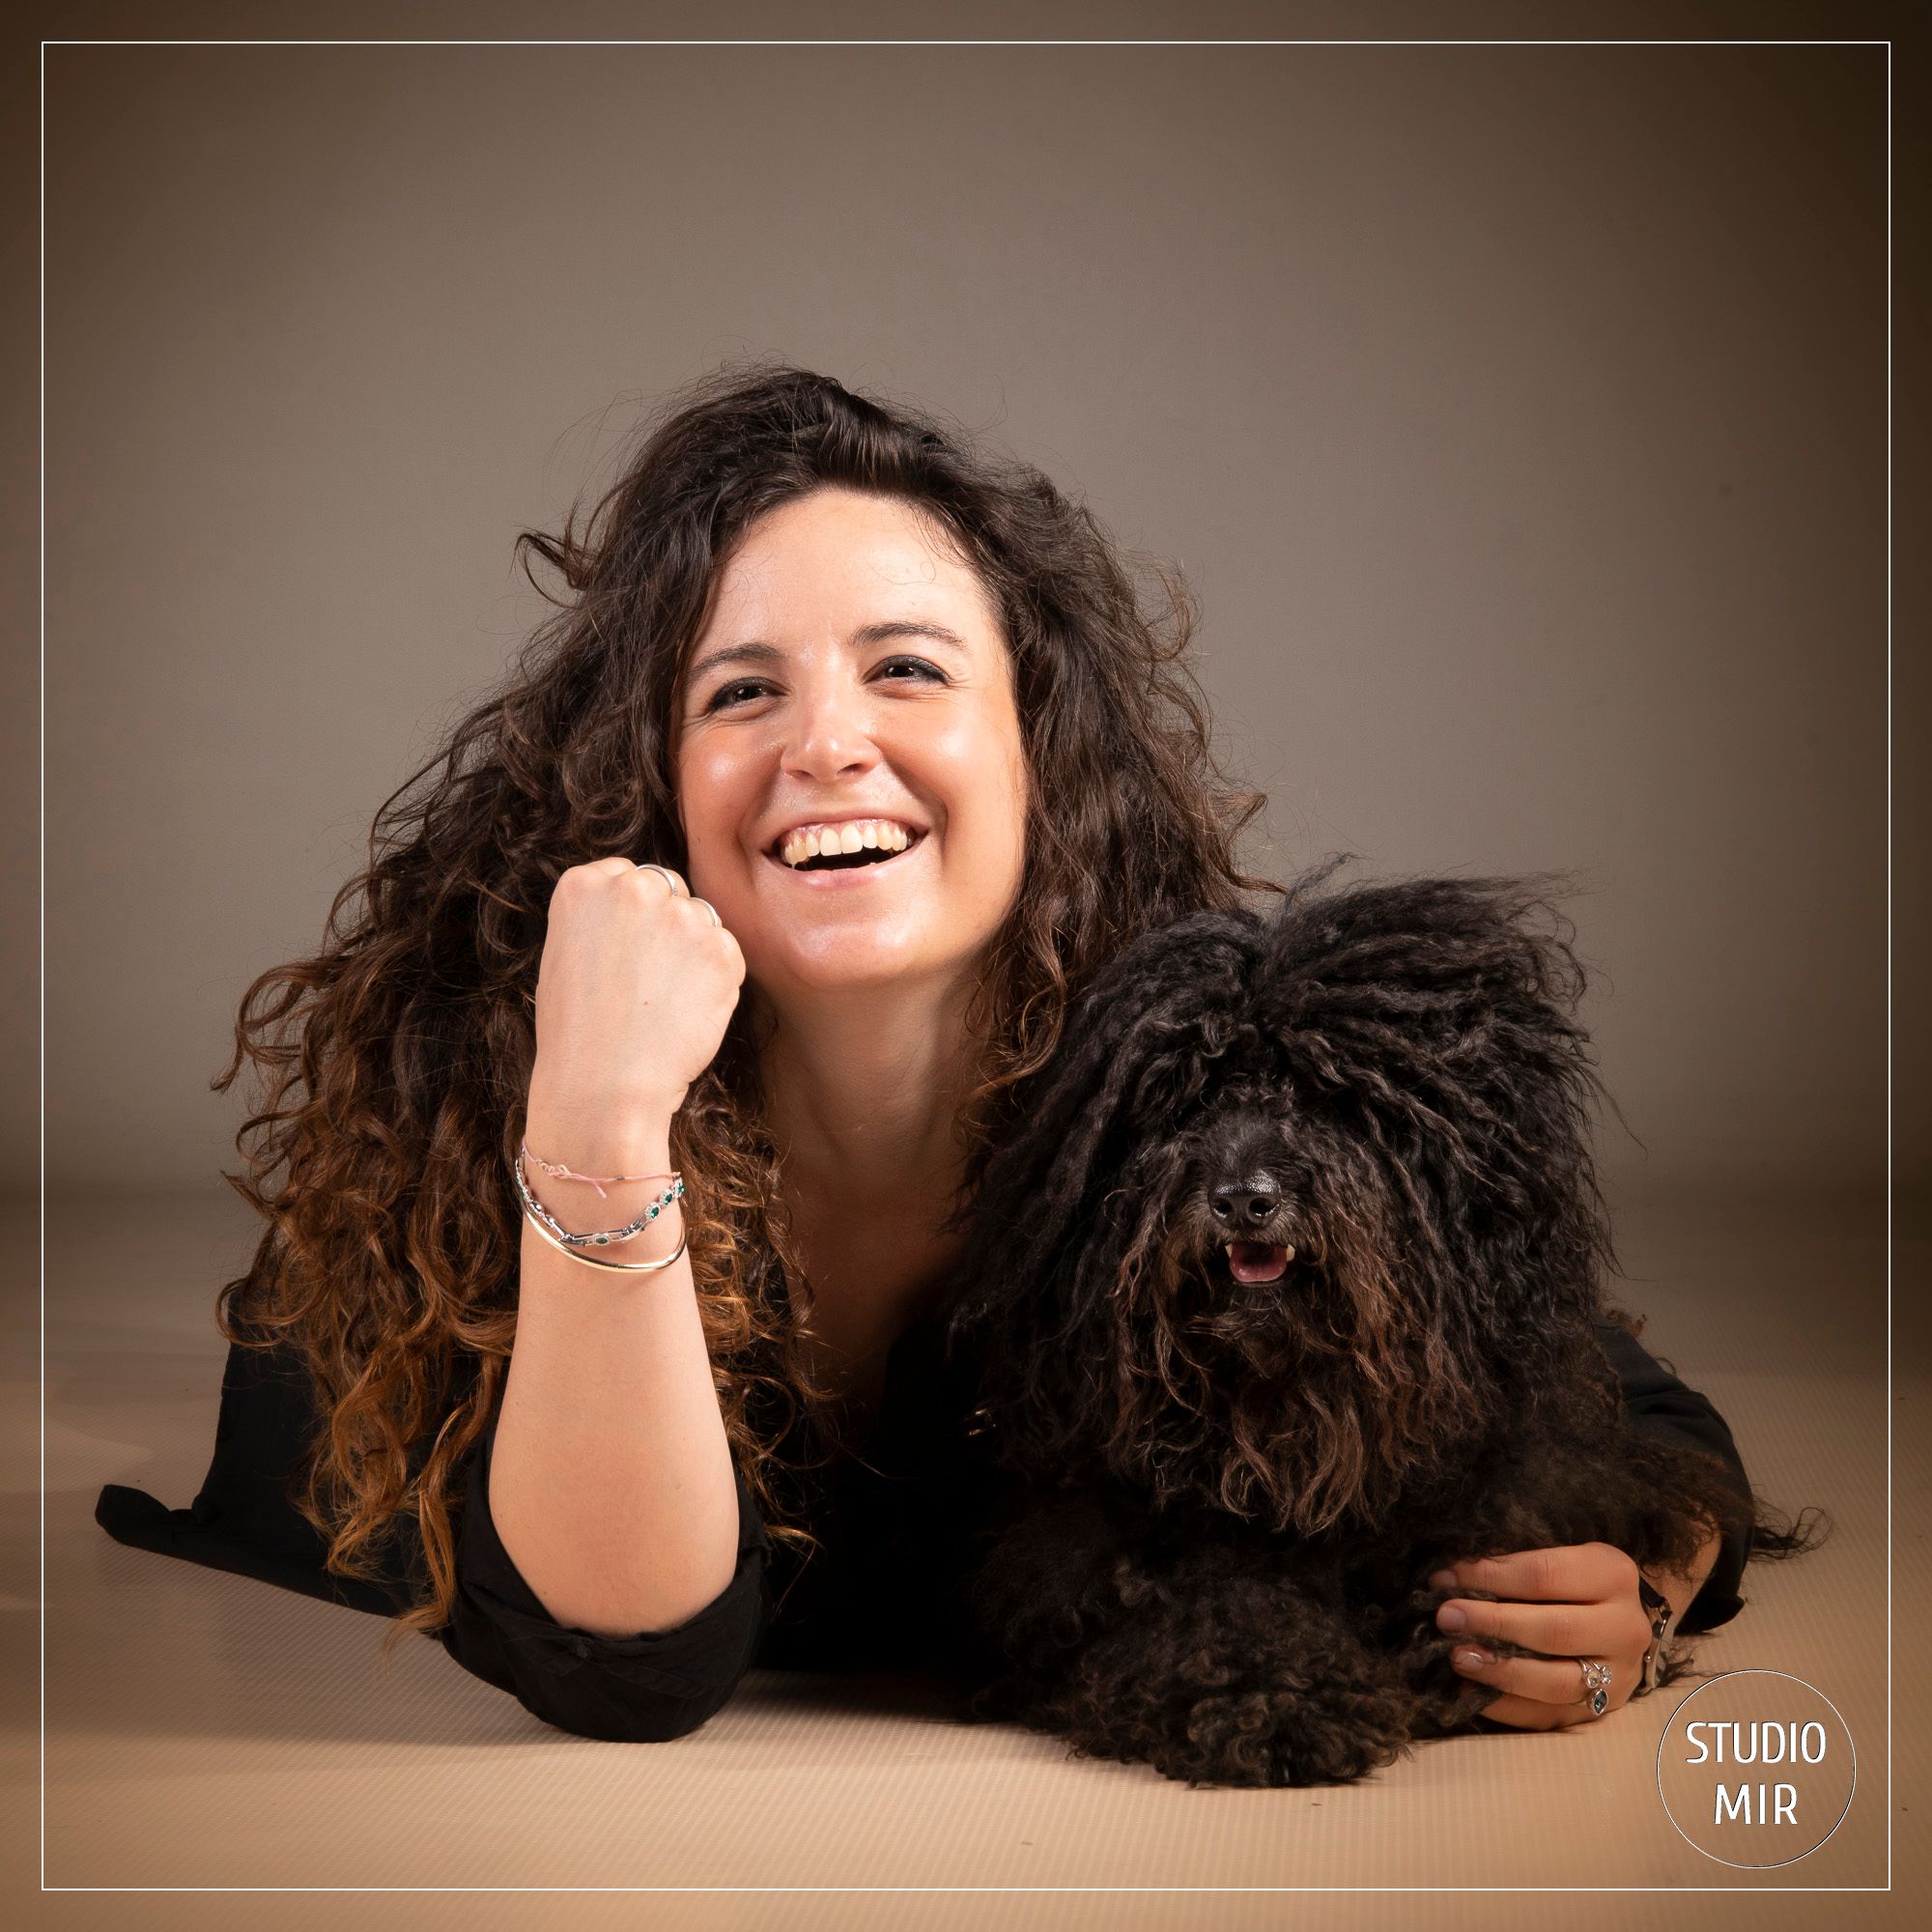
<point>637,985</point>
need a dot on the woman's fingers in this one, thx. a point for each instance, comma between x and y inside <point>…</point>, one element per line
<point>1576,1600</point>
<point>1574,1573</point>
<point>1556,1630</point>
<point>674,880</point>
<point>1554,1684</point>
<point>1526,1714</point>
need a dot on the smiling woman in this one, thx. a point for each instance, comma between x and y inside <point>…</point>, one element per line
<point>842,727</point>
<point>753,901</point>
<point>797,609</point>
<point>778,778</point>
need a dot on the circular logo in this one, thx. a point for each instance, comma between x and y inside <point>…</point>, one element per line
<point>1756,1768</point>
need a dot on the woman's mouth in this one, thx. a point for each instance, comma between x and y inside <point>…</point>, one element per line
<point>837,870</point>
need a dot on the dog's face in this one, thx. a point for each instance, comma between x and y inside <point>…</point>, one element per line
<point>1240,1211</point>
<point>1298,1203</point>
<point>1274,1326</point>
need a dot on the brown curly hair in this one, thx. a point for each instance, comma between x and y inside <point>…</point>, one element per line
<point>394,1063</point>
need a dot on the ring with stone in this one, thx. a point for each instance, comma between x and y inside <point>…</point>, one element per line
<point>1596,1685</point>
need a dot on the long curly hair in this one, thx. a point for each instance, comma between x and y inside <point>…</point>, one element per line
<point>1378,1099</point>
<point>1382,1094</point>
<point>1291,1287</point>
<point>393,1064</point>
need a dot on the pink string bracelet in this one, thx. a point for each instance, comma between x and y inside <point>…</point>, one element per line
<point>599,1181</point>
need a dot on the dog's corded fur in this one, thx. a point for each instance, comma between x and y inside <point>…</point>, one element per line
<point>1232,1494</point>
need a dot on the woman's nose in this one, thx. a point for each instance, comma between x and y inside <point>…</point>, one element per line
<point>830,732</point>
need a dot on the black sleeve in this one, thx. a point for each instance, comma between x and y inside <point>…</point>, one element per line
<point>1657,1403</point>
<point>650,1688</point>
<point>243,1520</point>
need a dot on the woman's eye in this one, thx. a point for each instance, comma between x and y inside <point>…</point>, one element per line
<point>722,696</point>
<point>916,664</point>
<point>725,695</point>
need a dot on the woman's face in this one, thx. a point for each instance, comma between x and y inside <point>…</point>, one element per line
<point>852,670</point>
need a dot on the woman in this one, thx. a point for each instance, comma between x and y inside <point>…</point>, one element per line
<point>802,628</point>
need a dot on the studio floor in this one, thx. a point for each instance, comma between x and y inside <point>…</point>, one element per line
<point>203,1730</point>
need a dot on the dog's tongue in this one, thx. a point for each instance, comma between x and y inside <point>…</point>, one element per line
<point>1256,1261</point>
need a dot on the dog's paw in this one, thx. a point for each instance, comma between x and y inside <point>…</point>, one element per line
<point>1331,1733</point>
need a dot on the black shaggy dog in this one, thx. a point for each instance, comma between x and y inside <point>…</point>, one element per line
<point>1281,1299</point>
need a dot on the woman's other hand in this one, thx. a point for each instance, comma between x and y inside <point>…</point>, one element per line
<point>1569,1602</point>
<point>636,988</point>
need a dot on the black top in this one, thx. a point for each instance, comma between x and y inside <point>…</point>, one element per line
<point>879,1591</point>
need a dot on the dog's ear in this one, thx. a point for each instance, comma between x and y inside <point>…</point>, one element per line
<point>1129,1045</point>
<point>1438,1015</point>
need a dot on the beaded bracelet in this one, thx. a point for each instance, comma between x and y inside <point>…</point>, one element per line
<point>591,1260</point>
<point>608,1236</point>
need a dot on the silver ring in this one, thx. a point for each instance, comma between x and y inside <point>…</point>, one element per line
<point>665,873</point>
<point>711,909</point>
<point>1596,1685</point>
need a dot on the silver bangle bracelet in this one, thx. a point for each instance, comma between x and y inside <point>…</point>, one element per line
<point>1662,1620</point>
<point>591,1260</point>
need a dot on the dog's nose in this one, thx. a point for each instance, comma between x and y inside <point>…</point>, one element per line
<point>1243,1207</point>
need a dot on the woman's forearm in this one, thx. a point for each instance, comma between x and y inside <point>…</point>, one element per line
<point>611,1485</point>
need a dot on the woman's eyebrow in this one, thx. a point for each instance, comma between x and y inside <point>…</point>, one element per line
<point>759,652</point>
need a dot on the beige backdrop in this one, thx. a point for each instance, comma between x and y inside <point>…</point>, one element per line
<point>1518,415</point>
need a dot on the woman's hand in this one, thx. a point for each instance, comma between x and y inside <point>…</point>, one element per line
<point>1571,1603</point>
<point>637,985</point>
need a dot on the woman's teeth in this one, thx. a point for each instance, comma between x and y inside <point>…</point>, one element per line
<point>862,834</point>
